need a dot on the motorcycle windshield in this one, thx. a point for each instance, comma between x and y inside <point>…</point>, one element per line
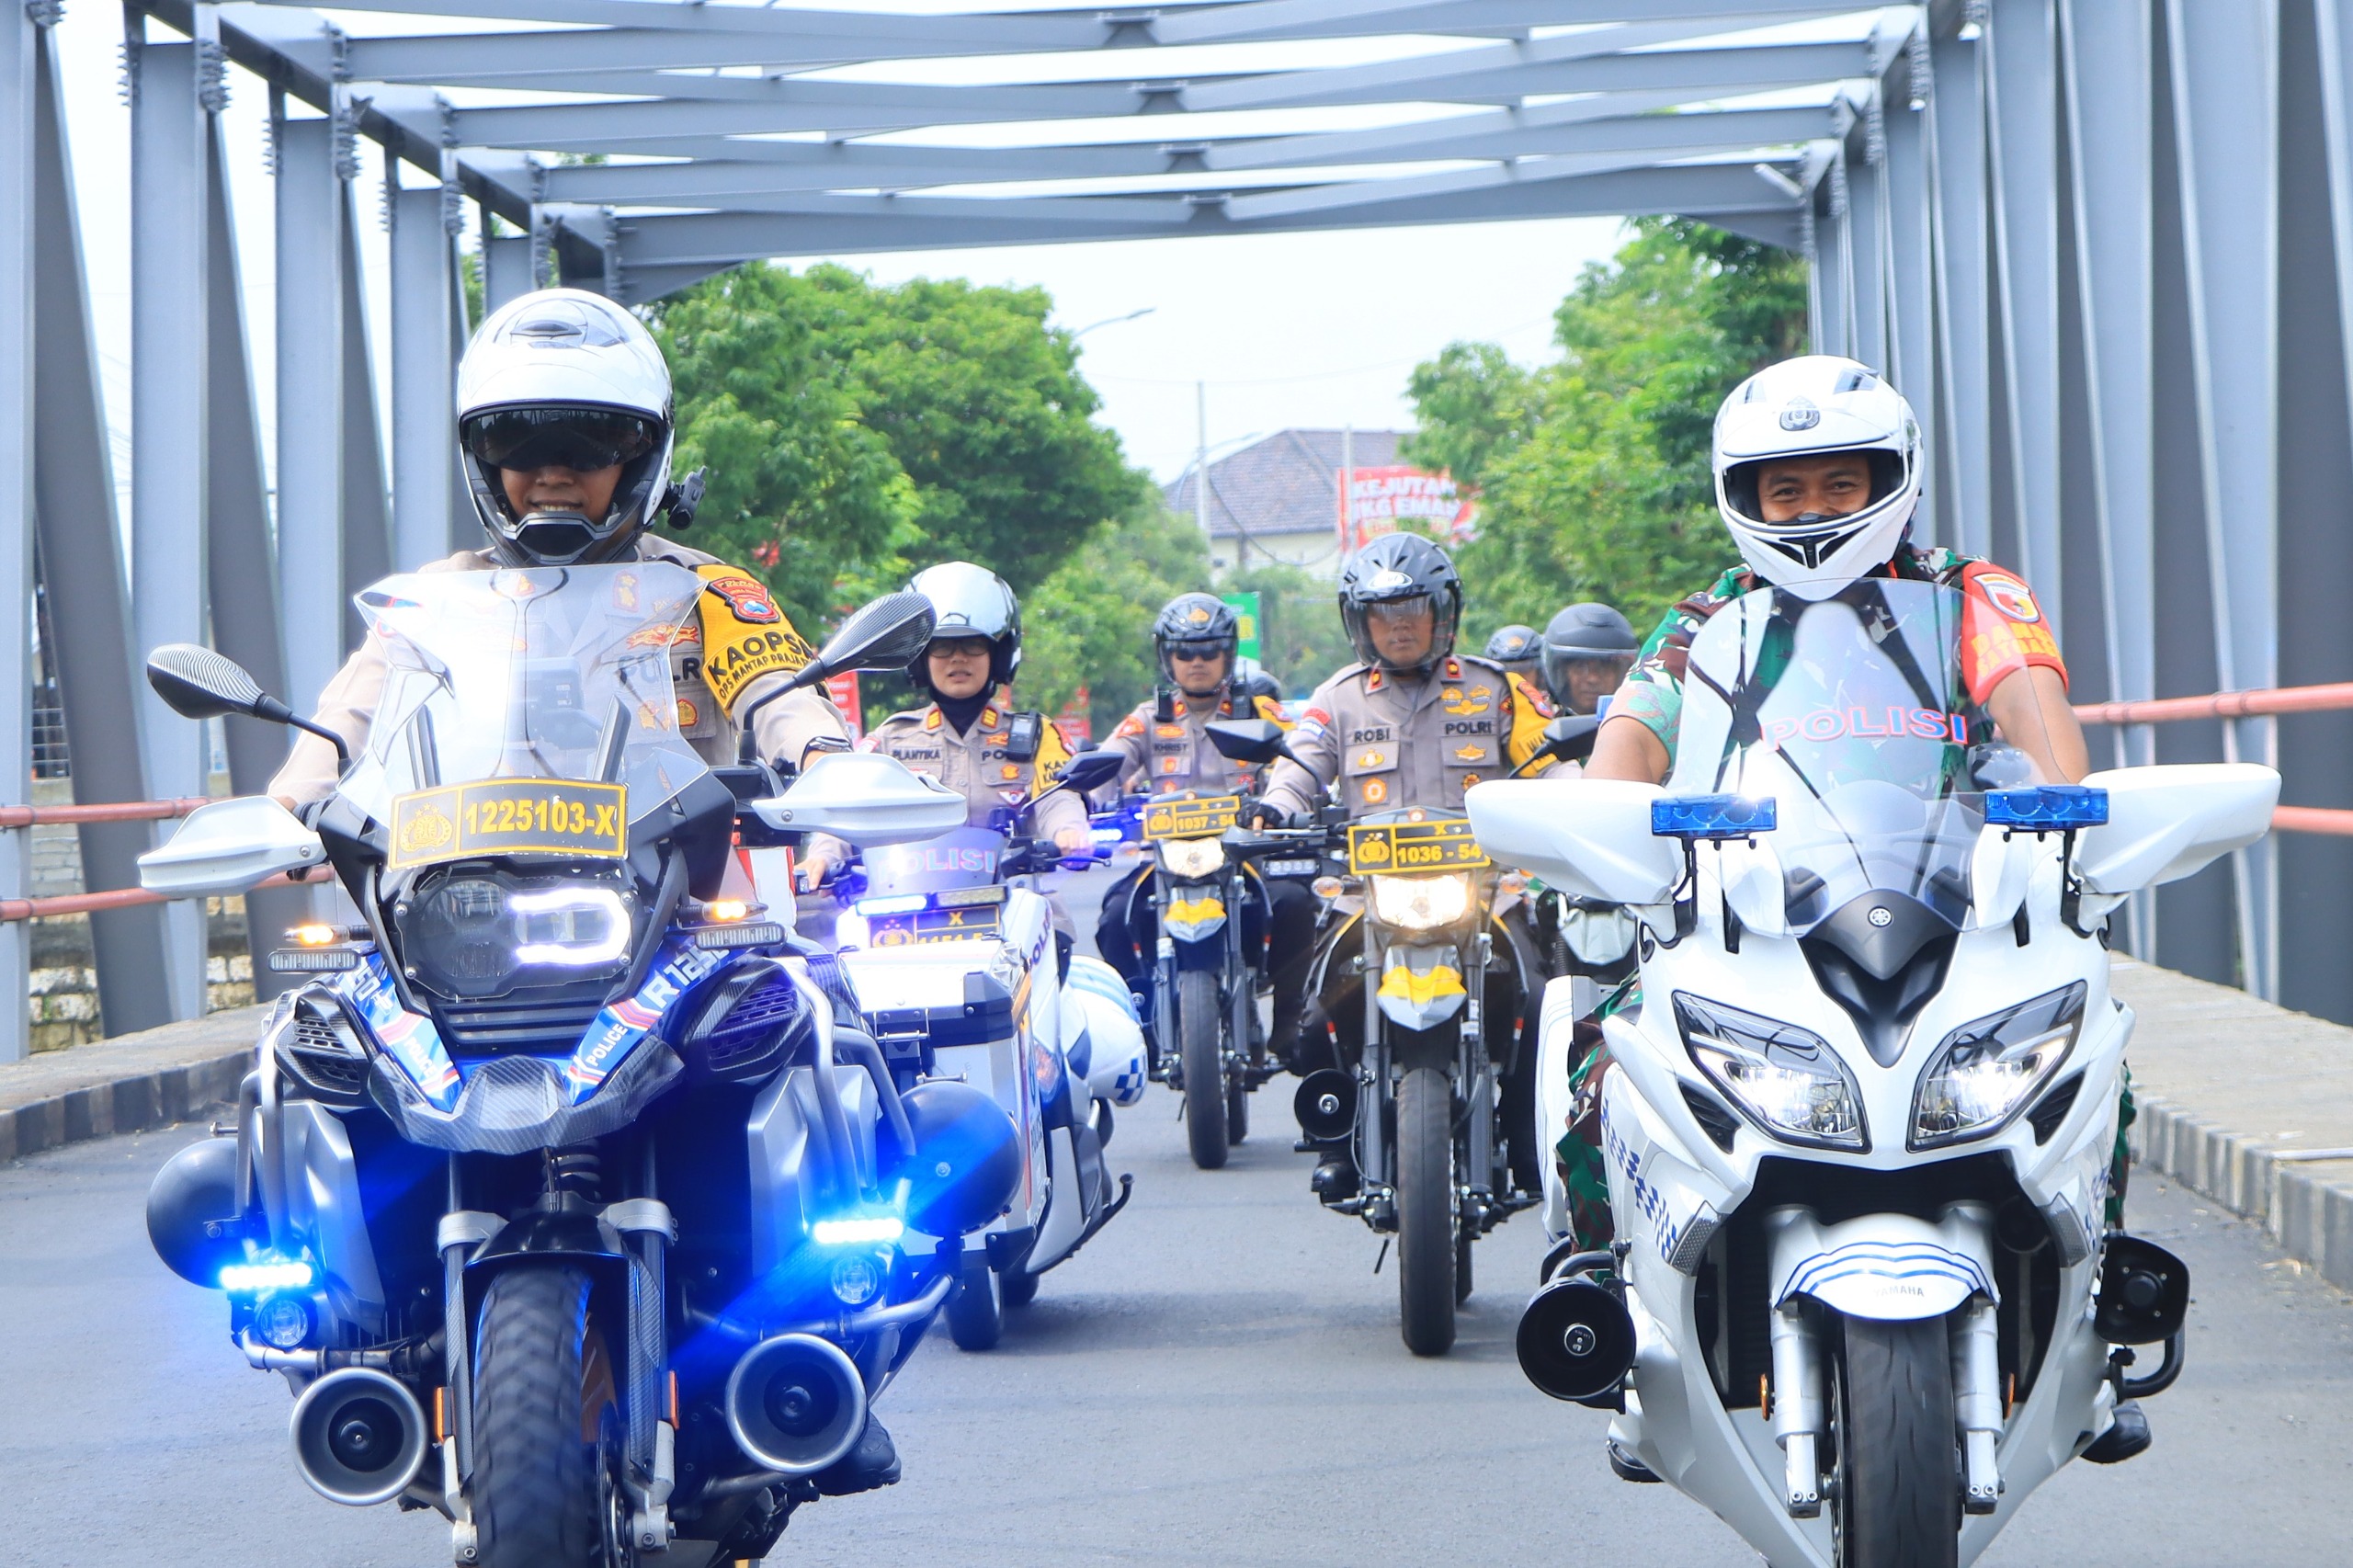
<point>968,858</point>
<point>1852,714</point>
<point>550,674</point>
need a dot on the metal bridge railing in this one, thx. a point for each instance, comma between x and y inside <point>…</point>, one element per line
<point>20,817</point>
<point>2269,703</point>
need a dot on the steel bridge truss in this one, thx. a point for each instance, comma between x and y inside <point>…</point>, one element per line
<point>2106,245</point>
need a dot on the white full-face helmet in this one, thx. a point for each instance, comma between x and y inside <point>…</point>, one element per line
<point>1814,406</point>
<point>565,377</point>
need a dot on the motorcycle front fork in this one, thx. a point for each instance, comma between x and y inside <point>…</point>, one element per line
<point>1474,1093</point>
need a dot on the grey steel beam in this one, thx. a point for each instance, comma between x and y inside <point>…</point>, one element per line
<point>1912,266</point>
<point>366,517</point>
<point>716,241</point>
<point>1957,133</point>
<point>852,107</point>
<point>2226,94</point>
<point>82,569</point>
<point>2333,27</point>
<point>423,465</point>
<point>21,46</point>
<point>1834,314</point>
<point>2022,103</point>
<point>242,575</point>
<point>170,154</point>
<point>310,378</point>
<point>506,268</point>
<point>1867,242</point>
<point>2108,63</point>
<point>1611,122</point>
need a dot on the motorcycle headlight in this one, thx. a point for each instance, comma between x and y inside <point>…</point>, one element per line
<point>1191,858</point>
<point>1421,904</point>
<point>1787,1079</point>
<point>1989,1069</point>
<point>471,935</point>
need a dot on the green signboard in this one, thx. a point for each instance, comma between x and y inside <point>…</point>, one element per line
<point>1246,612</point>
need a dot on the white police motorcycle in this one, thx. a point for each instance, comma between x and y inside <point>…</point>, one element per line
<point>1866,1296</point>
<point>567,1192</point>
<point>952,950</point>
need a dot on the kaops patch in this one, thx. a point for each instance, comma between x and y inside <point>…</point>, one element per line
<point>745,594</point>
<point>739,649</point>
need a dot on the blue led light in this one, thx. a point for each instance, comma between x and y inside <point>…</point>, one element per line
<point>275,1274</point>
<point>1712,816</point>
<point>863,1231</point>
<point>2047,807</point>
<point>901,903</point>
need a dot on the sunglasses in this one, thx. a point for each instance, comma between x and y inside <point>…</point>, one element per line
<point>1196,652</point>
<point>960,647</point>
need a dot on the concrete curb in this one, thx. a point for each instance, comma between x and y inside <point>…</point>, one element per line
<point>2308,1215</point>
<point>133,1103</point>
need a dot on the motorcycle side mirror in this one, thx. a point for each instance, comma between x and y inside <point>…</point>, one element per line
<point>1257,741</point>
<point>197,683</point>
<point>884,635</point>
<point>1570,736</point>
<point>1090,770</point>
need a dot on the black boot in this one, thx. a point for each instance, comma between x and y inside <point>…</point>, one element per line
<point>1626,1467</point>
<point>2128,1436</point>
<point>873,1462</point>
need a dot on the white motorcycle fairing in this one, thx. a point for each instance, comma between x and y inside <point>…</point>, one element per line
<point>1737,1226</point>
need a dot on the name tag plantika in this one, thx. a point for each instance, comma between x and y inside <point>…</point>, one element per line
<point>1437,844</point>
<point>1189,816</point>
<point>509,816</point>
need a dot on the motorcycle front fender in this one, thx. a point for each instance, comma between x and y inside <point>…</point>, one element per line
<point>1889,1267</point>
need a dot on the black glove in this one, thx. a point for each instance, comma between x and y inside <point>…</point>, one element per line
<point>1262,815</point>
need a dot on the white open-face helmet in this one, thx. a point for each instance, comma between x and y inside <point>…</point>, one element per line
<point>1813,405</point>
<point>568,378</point>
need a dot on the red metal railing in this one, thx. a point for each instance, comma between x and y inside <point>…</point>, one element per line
<point>2334,697</point>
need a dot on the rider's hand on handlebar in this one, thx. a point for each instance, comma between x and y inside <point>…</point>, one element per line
<point>1261,816</point>
<point>1074,841</point>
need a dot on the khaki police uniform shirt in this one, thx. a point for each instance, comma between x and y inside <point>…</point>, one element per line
<point>1382,742</point>
<point>1165,757</point>
<point>732,659</point>
<point>974,764</point>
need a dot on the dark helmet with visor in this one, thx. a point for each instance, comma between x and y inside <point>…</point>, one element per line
<point>1196,624</point>
<point>1586,632</point>
<point>1514,647</point>
<point>565,379</point>
<point>968,601</point>
<point>1402,570</point>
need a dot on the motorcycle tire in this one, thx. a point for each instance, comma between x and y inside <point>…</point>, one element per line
<point>1201,1048</point>
<point>1898,1500</point>
<point>541,1380</point>
<point>976,1312</point>
<point>1425,1211</point>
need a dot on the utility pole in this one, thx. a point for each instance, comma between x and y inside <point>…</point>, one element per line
<point>1347,488</point>
<point>1201,462</point>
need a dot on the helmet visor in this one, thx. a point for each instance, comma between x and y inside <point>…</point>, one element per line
<point>581,439</point>
<point>1198,648</point>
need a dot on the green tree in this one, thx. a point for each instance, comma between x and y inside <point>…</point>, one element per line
<point>1300,639</point>
<point>854,432</point>
<point>1594,469</point>
<point>1090,623</point>
<point>984,409</point>
<point>801,486</point>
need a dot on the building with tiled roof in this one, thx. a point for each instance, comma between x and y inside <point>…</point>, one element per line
<point>1279,498</point>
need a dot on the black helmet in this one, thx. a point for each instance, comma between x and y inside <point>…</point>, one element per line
<point>968,601</point>
<point>1398,569</point>
<point>1193,619</point>
<point>1584,631</point>
<point>1513,645</point>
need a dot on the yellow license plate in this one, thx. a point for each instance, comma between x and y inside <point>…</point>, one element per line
<point>927,926</point>
<point>1441,844</point>
<point>509,816</point>
<point>1183,816</point>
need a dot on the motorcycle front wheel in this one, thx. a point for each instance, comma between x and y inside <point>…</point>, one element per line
<point>1201,1048</point>
<point>544,1383</point>
<point>1425,1211</point>
<point>1898,1500</point>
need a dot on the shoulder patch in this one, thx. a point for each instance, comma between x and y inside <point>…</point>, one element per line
<point>744,635</point>
<point>743,593</point>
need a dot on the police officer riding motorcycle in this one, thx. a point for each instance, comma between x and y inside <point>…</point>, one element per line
<point>1415,1076</point>
<point>1190,928</point>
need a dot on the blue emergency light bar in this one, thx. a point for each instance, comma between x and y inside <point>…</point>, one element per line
<point>1713,817</point>
<point>2047,807</point>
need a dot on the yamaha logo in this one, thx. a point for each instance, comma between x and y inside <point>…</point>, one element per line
<point>1881,914</point>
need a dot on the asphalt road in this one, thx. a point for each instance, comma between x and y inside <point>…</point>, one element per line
<point>1217,1380</point>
